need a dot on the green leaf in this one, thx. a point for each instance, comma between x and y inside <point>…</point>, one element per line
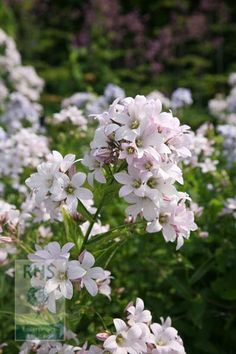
<point>85,212</point>
<point>73,231</point>
<point>201,271</point>
<point>106,255</point>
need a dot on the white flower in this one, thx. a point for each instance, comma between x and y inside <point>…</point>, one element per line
<point>72,114</point>
<point>11,57</point>
<point>64,163</point>
<point>181,97</point>
<point>217,106</point>
<point>208,165</point>
<point>150,142</point>
<point>79,99</point>
<point>112,92</point>
<point>232,79</point>
<point>137,313</point>
<point>126,340</point>
<point>3,92</point>
<point>97,228</point>
<point>132,181</point>
<point>27,82</point>
<point>56,272</point>
<point>92,274</point>
<point>52,250</point>
<point>45,232</point>
<point>230,207</point>
<point>57,184</point>
<point>63,272</point>
<point>95,166</point>
<point>42,181</point>
<point>20,110</point>
<point>166,339</point>
<point>157,95</point>
<point>56,348</point>
<point>70,190</point>
<point>144,205</point>
<point>104,284</point>
<point>175,221</point>
<point>20,150</point>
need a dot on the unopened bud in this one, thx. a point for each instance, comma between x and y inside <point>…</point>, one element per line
<point>102,336</point>
<point>78,217</point>
<point>72,171</point>
<point>203,234</point>
<point>129,220</point>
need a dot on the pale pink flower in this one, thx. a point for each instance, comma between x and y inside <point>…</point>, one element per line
<point>92,274</point>
<point>137,313</point>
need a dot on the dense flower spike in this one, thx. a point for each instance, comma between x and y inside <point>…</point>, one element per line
<point>152,143</point>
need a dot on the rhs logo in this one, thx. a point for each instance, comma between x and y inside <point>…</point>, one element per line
<point>33,298</point>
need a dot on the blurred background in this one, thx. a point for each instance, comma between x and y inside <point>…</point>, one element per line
<point>140,45</point>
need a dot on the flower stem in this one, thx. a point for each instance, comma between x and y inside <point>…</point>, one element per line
<point>93,221</point>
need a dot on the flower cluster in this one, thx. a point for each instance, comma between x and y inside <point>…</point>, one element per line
<point>151,143</point>
<point>26,81</point>
<point>224,108</point>
<point>51,347</point>
<point>202,150</point>
<point>56,183</point>
<point>10,56</point>
<point>92,104</point>
<point>139,335</point>
<point>47,347</point>
<point>181,97</point>
<point>97,228</point>
<point>230,207</point>
<point>61,274</point>
<point>3,93</point>
<point>12,225</point>
<point>23,83</point>
<point>158,95</point>
<point>20,150</point>
<point>229,144</point>
<point>20,112</point>
<point>72,115</point>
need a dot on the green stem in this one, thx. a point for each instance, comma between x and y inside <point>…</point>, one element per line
<point>100,237</point>
<point>84,211</point>
<point>92,222</point>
